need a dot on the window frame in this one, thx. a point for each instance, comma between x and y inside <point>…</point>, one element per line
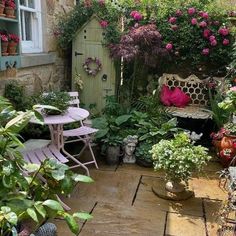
<point>35,45</point>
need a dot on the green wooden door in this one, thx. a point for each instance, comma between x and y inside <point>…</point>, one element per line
<point>89,43</point>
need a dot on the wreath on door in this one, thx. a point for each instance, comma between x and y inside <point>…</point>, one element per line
<point>90,61</point>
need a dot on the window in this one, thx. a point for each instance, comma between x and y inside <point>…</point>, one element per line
<point>31,26</point>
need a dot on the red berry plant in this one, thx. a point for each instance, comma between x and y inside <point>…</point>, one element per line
<point>11,4</point>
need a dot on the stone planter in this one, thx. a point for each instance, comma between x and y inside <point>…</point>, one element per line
<point>12,46</point>
<point>4,47</point>
<point>10,12</point>
<point>2,7</point>
<point>113,155</point>
<point>173,190</point>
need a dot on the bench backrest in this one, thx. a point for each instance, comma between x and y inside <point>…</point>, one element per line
<point>192,86</point>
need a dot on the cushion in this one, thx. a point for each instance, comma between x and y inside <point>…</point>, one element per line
<point>178,98</point>
<point>165,95</point>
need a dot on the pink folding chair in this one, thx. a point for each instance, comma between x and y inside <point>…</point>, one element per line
<point>81,134</point>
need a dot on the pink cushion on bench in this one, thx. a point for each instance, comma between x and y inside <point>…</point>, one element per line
<point>178,98</point>
<point>165,95</point>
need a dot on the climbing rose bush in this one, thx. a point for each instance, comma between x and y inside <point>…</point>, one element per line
<point>198,37</point>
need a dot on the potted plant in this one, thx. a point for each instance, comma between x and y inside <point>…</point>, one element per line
<point>4,44</point>
<point>60,100</point>
<point>2,7</point>
<point>13,42</point>
<point>25,201</point>
<point>178,157</point>
<point>10,7</point>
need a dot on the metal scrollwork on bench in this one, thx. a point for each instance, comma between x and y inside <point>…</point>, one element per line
<point>196,89</point>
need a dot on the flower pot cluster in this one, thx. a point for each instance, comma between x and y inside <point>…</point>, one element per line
<point>7,8</point>
<point>9,43</point>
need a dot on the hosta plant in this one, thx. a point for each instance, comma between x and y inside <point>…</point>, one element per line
<point>178,157</point>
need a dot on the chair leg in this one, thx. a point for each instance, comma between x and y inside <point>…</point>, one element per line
<point>93,156</point>
<point>76,160</point>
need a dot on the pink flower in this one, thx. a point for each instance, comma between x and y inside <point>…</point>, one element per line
<point>172,20</point>
<point>194,21</point>
<point>203,24</point>
<point>169,46</point>
<point>206,33</point>
<point>4,38</point>
<point>138,16</point>
<point>101,2</point>
<point>225,42</point>
<point>233,88</point>
<point>191,11</point>
<point>213,43</point>
<point>174,27</point>
<point>212,38</point>
<point>205,51</point>
<point>178,12</point>
<point>223,31</point>
<point>205,15</point>
<point>103,23</point>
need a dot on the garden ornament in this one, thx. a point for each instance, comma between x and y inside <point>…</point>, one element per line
<point>130,143</point>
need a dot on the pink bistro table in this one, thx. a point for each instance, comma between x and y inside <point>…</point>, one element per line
<point>56,122</point>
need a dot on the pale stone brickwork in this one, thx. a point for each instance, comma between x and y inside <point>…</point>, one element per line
<point>52,74</point>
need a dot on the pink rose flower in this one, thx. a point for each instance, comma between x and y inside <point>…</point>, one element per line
<point>138,16</point>
<point>172,20</point>
<point>133,13</point>
<point>225,42</point>
<point>203,24</point>
<point>174,27</point>
<point>194,21</point>
<point>169,46</point>
<point>205,15</point>
<point>103,23</point>
<point>205,51</point>
<point>223,31</point>
<point>213,43</point>
<point>206,33</point>
<point>233,88</point>
<point>212,38</point>
<point>191,11</point>
<point>178,12</point>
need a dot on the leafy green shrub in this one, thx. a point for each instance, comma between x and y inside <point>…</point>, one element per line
<point>179,157</point>
<point>60,100</point>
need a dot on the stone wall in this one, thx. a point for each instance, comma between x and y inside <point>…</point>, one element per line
<point>43,76</point>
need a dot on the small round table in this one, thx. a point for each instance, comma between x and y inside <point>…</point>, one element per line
<point>56,122</point>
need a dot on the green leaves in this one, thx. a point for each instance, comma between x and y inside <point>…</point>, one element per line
<point>82,178</point>
<point>54,205</point>
<point>83,215</point>
<point>32,213</point>
<point>122,119</point>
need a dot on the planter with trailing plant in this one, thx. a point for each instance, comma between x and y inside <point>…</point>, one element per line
<point>26,201</point>
<point>60,100</point>
<point>178,157</point>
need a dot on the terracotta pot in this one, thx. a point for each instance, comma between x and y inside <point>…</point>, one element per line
<point>217,145</point>
<point>10,12</point>
<point>226,142</point>
<point>2,7</point>
<point>12,48</point>
<point>4,46</point>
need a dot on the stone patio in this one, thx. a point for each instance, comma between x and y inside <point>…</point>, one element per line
<point>122,203</point>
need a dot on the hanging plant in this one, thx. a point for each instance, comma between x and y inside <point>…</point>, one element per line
<point>87,66</point>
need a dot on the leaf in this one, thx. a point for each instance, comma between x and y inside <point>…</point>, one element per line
<point>11,217</point>
<point>54,205</point>
<point>40,209</point>
<point>83,215</point>
<point>14,231</point>
<point>73,225</point>
<point>19,122</point>
<point>101,133</point>
<point>100,123</point>
<point>82,178</point>
<point>32,213</point>
<point>31,167</point>
<point>122,119</point>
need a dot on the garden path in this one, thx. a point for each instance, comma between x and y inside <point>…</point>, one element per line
<point>122,203</point>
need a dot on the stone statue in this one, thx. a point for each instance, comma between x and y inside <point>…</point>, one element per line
<point>130,143</point>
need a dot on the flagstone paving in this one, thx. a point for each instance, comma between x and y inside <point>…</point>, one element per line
<point>122,203</point>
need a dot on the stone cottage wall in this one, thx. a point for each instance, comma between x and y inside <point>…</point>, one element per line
<point>47,70</point>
